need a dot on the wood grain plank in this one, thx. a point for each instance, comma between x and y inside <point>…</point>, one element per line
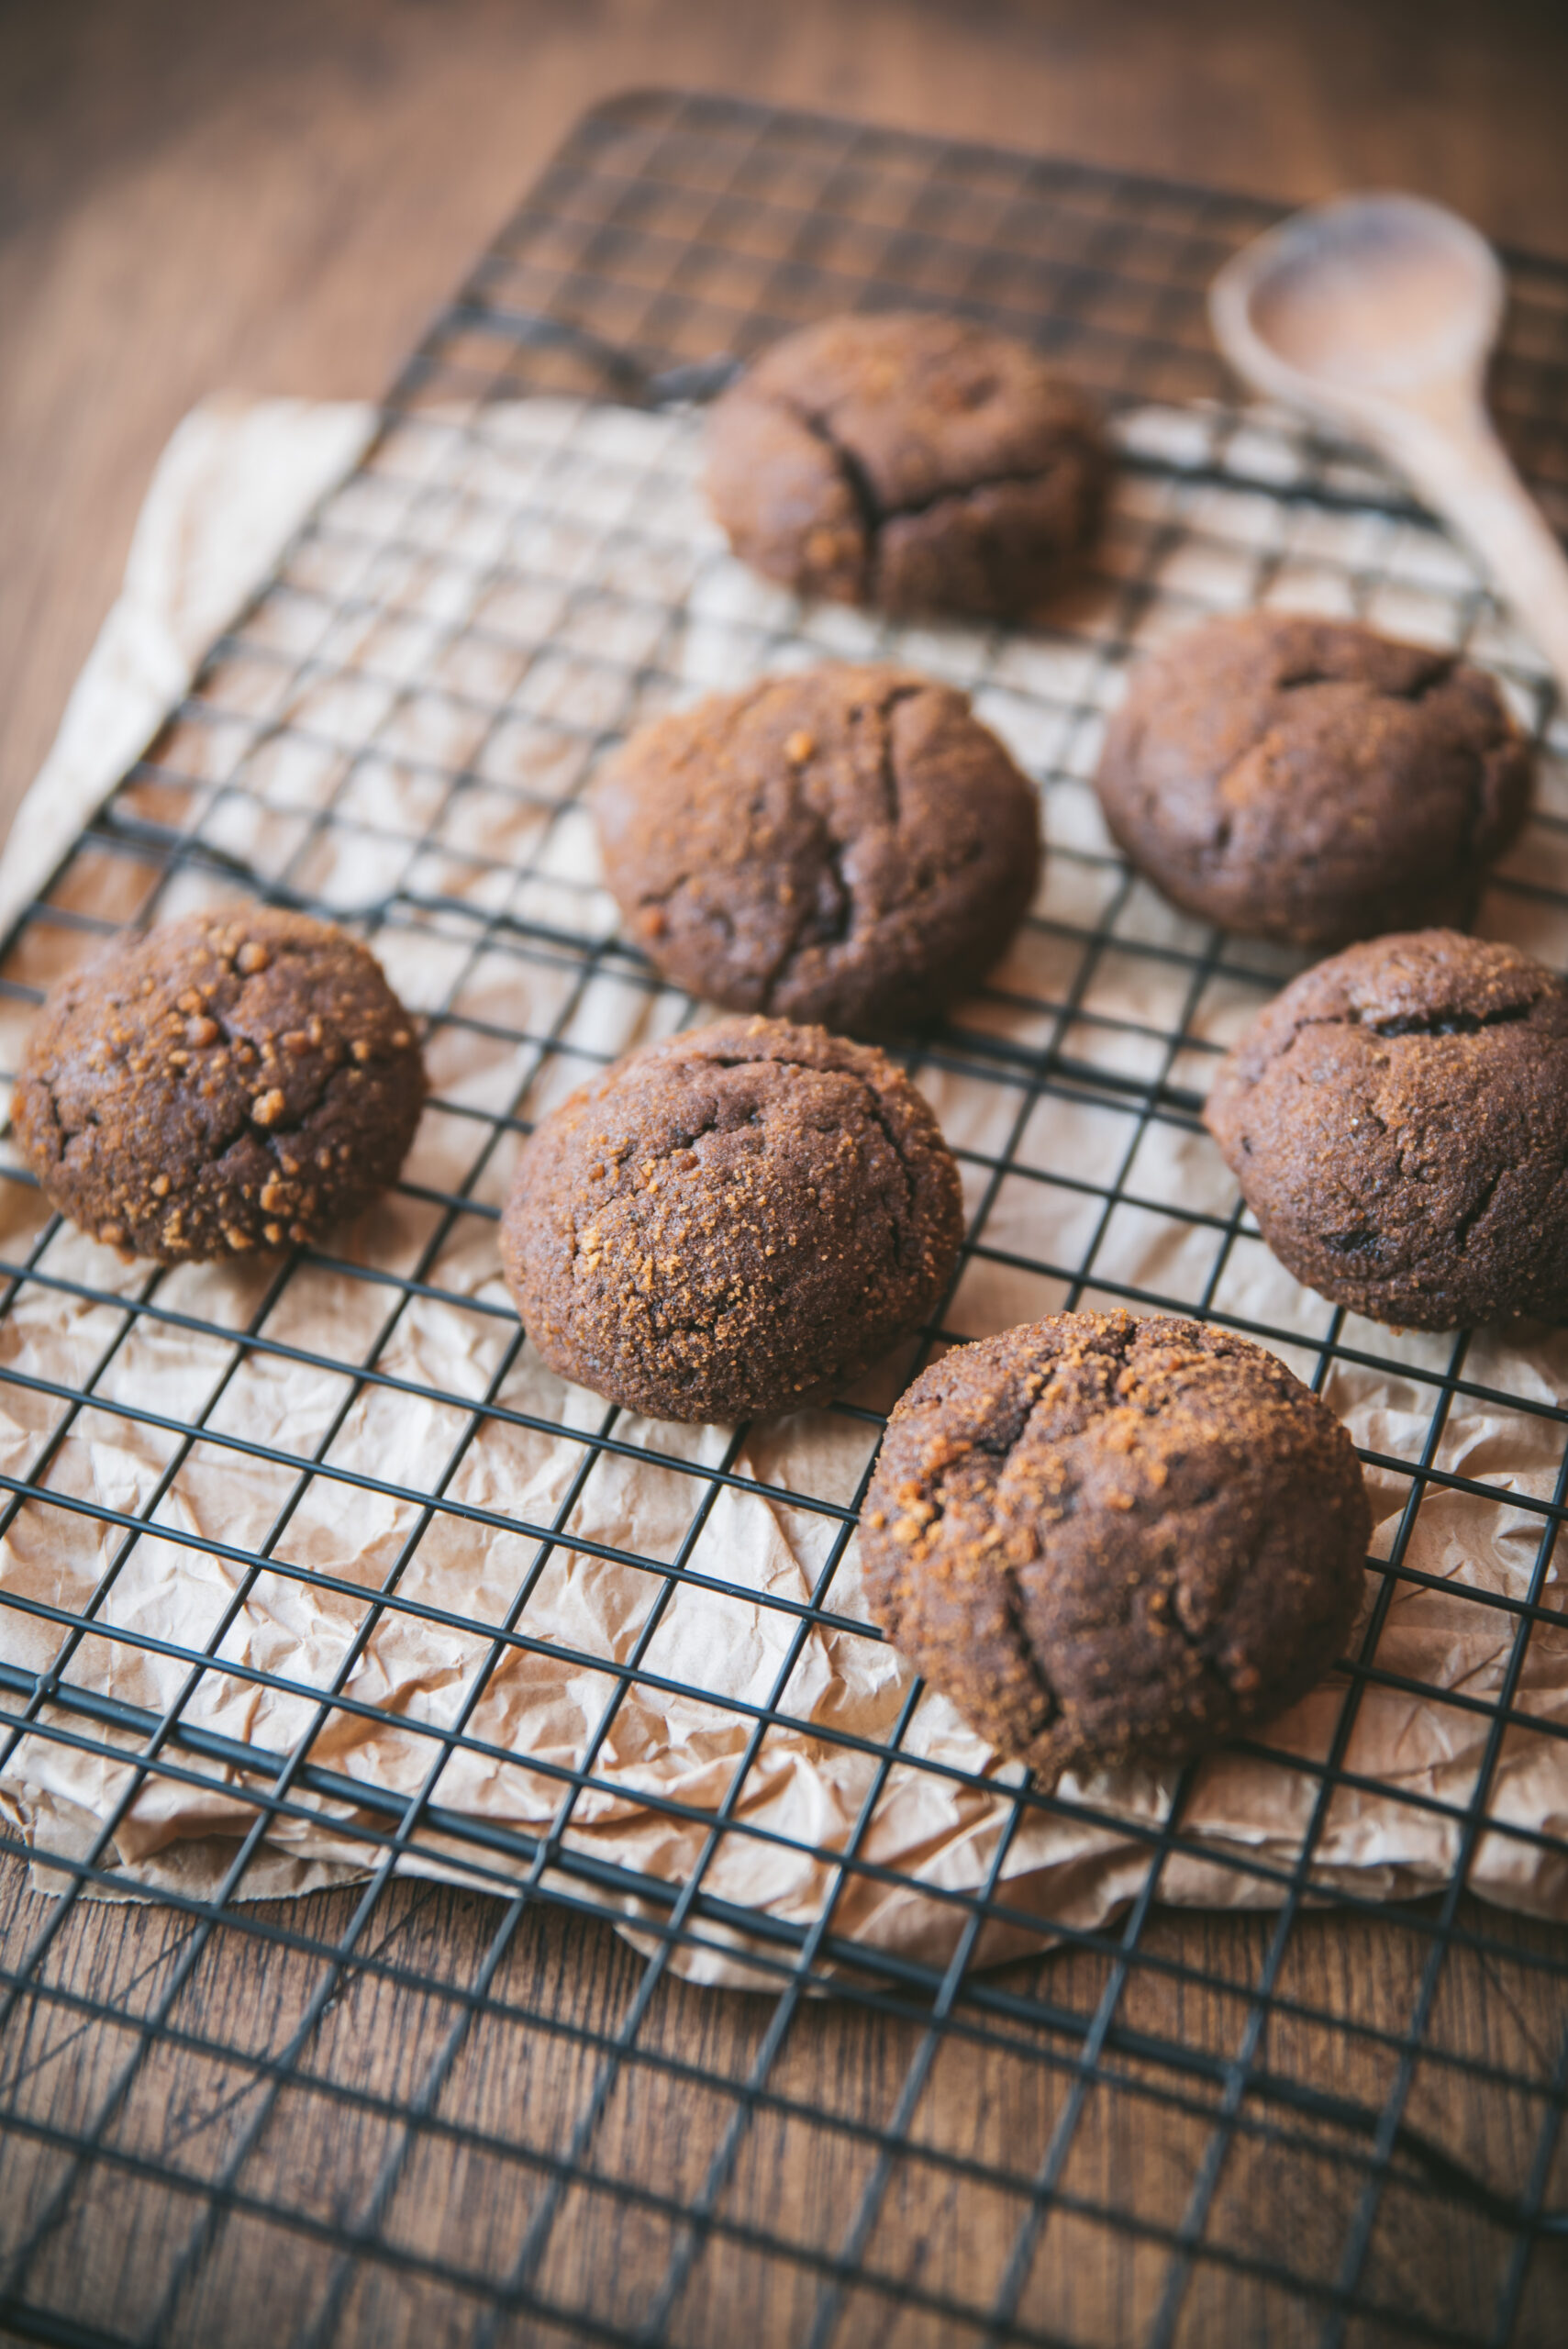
<point>279,196</point>
<point>534,2055</point>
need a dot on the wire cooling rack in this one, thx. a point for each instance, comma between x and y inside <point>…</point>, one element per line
<point>1358,2114</point>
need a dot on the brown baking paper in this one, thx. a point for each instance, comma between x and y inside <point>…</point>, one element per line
<point>446,1359</point>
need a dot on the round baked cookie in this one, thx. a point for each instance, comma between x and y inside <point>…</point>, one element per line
<point>735,1221</point>
<point>1398,1120</point>
<point>1312,781</point>
<point>846,845</point>
<point>919,463</point>
<point>1111,1540</point>
<point>235,1079</point>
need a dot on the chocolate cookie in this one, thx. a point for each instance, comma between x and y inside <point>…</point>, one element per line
<point>843,844</point>
<point>1111,1540</point>
<point>1398,1120</point>
<point>919,463</point>
<point>737,1221</point>
<point>236,1079</point>
<point>1311,781</point>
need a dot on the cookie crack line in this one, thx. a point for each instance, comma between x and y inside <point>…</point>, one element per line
<point>275,1131</point>
<point>1442,1021</point>
<point>878,1116</point>
<point>1050,1706</point>
<point>647,1156</point>
<point>1437,674</point>
<point>1119,1343</point>
<point>842,921</point>
<point>1482,755</point>
<point>1206,1645</point>
<point>1473,1213</point>
<point>1445,1020</point>
<point>874,514</point>
<point>840,933</point>
<point>274,1128</point>
<point>852,473</point>
<point>62,1139</point>
<point>887,760</point>
<point>1436,671</point>
<point>1359,1239</point>
<point>811,1068</point>
<point>279,1131</point>
<point>873,1111</point>
<point>961,491</point>
<point>1001,1450</point>
<point>848,922</point>
<point>862,1085</point>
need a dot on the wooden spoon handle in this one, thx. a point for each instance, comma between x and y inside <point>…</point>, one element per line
<point>1461,469</point>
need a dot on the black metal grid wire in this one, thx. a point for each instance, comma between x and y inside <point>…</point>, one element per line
<point>410,687</point>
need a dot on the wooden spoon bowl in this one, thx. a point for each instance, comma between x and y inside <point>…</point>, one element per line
<point>1377,315</point>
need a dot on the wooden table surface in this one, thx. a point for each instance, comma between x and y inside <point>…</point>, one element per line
<point>276,193</point>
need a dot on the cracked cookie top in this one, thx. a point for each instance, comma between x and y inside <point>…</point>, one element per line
<point>841,844</point>
<point>1312,781</point>
<point>916,462</point>
<point>1398,1120</point>
<point>235,1079</point>
<point>738,1221</point>
<point>1115,1541</point>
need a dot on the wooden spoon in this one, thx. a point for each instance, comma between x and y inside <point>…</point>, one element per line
<point>1377,314</point>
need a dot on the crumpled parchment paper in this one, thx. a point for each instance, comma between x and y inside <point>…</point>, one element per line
<point>452,1407</point>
